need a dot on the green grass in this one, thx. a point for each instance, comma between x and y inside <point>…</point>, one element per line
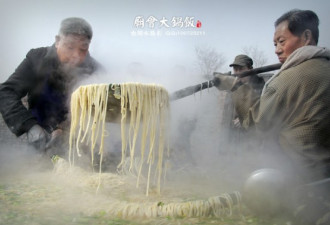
<point>25,202</point>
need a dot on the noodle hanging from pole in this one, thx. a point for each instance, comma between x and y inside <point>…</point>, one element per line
<point>146,105</point>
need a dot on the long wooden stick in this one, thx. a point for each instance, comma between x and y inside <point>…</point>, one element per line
<point>195,88</point>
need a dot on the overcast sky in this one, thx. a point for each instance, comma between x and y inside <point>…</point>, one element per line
<point>227,26</point>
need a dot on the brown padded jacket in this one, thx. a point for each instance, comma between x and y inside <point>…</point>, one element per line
<point>295,109</point>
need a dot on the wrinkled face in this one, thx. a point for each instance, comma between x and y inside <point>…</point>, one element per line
<point>72,49</point>
<point>285,42</point>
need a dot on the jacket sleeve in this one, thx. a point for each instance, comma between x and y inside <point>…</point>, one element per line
<point>17,117</point>
<point>256,110</point>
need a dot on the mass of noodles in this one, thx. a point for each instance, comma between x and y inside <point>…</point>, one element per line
<point>144,111</point>
<point>216,206</point>
<point>144,115</point>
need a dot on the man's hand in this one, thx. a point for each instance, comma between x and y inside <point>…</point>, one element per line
<point>226,82</point>
<point>37,137</point>
<point>55,138</point>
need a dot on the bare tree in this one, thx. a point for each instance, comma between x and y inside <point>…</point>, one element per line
<point>259,58</point>
<point>208,60</point>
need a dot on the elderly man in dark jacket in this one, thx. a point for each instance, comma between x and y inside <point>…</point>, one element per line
<point>46,76</point>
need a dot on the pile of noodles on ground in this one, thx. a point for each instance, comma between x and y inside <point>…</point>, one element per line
<point>135,206</point>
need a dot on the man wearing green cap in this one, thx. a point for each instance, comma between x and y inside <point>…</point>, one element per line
<point>230,119</point>
<point>243,63</point>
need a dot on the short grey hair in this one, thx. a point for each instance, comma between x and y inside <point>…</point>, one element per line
<point>77,26</point>
<point>299,21</point>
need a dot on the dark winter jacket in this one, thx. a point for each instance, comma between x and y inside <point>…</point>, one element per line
<point>47,86</point>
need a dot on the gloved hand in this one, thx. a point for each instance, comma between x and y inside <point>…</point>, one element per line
<point>37,137</point>
<point>226,82</point>
<point>55,138</point>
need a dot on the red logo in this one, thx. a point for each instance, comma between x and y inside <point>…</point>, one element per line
<point>199,24</point>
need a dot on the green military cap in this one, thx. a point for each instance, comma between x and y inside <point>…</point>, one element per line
<point>242,60</point>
